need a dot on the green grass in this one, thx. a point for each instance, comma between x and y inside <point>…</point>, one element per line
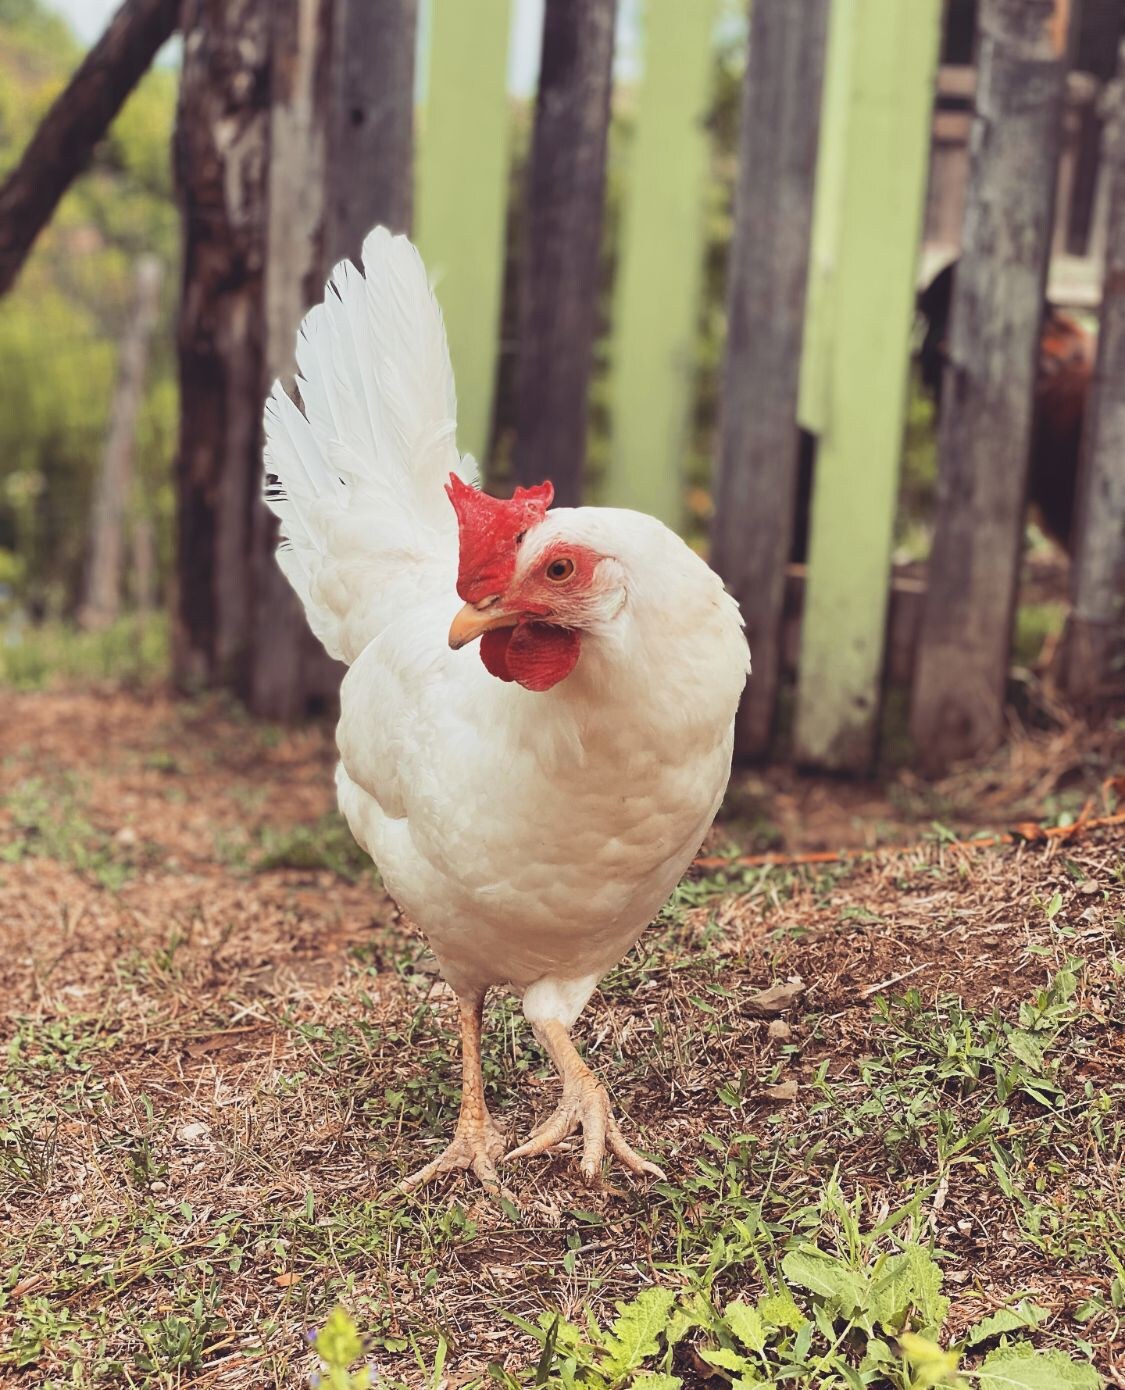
<point>767,1261</point>
<point>210,1085</point>
<point>324,844</point>
<point>134,650</point>
<point>49,821</point>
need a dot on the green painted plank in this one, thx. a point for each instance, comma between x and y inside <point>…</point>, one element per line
<point>461,194</point>
<point>889,51</point>
<point>812,403</point>
<point>661,260</point>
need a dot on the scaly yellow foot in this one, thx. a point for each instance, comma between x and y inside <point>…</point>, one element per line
<point>584,1105</point>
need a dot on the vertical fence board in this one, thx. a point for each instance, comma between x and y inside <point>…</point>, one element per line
<point>1096,635</point>
<point>987,402</point>
<point>828,198</point>
<point>461,191</point>
<point>221,151</point>
<point>892,57</point>
<point>106,562</point>
<point>755,486</point>
<point>661,244</point>
<point>562,244</point>
<point>284,654</point>
<point>371,151</point>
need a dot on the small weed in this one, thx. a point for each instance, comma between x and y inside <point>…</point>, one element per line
<point>859,1305</point>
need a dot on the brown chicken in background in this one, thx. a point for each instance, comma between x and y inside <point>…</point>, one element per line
<point>1066,370</point>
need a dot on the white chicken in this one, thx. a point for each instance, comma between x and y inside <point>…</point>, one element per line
<point>529,807</point>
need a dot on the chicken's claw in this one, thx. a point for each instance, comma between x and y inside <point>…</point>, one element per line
<point>474,1146</point>
<point>585,1105</point>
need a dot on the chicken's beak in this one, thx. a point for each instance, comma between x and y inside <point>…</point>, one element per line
<point>472,622</point>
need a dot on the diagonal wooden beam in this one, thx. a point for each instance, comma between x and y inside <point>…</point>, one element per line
<point>61,148</point>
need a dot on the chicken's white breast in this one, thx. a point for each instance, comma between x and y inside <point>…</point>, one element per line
<point>533,835</point>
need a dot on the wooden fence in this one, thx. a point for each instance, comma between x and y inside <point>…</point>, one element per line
<point>838,130</point>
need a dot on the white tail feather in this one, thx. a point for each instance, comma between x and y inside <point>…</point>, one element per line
<point>357,477</point>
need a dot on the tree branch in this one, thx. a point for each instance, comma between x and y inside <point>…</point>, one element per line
<point>77,120</point>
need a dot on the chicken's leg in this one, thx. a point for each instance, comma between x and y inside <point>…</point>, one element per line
<point>584,1105</point>
<point>478,1141</point>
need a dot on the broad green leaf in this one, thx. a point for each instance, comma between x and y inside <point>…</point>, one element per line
<point>746,1324</point>
<point>1027,1049</point>
<point>779,1310</point>
<point>636,1330</point>
<point>1021,1367</point>
<point>654,1380</point>
<point>845,1289</point>
<point>727,1359</point>
<point>877,1353</point>
<point>803,1342</point>
<point>908,1280</point>
<point>1005,1320</point>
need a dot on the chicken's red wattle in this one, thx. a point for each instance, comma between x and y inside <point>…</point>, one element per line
<point>534,655</point>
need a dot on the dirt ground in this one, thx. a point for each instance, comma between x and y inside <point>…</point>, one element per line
<point>223,1047</point>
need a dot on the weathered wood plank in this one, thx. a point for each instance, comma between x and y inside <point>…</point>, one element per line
<point>755,485</point>
<point>461,192</point>
<point>988,397</point>
<point>371,173</point>
<point>286,660</point>
<point>661,244</point>
<point>1095,642</point>
<point>565,201</point>
<point>878,185</point>
<point>105,566</point>
<point>904,618</point>
<point>222,142</point>
<point>828,197</point>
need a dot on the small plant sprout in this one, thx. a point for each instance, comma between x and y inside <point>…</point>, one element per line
<point>338,1345</point>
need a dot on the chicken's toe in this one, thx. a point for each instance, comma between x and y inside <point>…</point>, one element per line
<point>475,1147</point>
<point>586,1106</point>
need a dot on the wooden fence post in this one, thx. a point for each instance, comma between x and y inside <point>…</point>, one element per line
<point>1095,644</point>
<point>988,399</point>
<point>562,244</point>
<point>222,139</point>
<point>871,184</point>
<point>755,486</point>
<point>282,648</point>
<point>104,572</point>
<point>371,150</point>
<point>462,190</point>
<point>662,244</point>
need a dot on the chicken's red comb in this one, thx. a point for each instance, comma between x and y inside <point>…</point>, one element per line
<point>488,529</point>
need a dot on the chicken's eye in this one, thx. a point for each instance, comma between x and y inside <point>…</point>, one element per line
<point>561,569</point>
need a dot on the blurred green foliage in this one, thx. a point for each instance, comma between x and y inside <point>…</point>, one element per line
<point>60,326</point>
<point>132,652</point>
